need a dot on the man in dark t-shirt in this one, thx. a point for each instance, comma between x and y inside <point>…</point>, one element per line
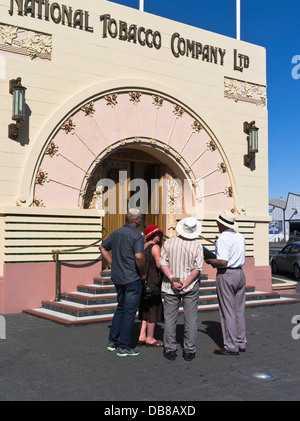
<point>127,270</point>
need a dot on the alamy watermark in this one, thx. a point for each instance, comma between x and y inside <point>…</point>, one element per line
<point>2,328</point>
<point>164,196</point>
<point>296,329</point>
<point>296,69</point>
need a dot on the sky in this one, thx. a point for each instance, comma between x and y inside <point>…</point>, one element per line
<point>272,24</point>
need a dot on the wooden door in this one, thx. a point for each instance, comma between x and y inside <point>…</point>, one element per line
<point>154,215</point>
<point>115,196</point>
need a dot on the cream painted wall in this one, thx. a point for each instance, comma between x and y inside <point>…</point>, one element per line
<point>82,59</point>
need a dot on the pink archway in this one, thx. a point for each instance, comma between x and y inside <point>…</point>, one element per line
<point>139,119</point>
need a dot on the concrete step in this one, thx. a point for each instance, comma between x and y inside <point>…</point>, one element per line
<point>67,319</point>
<point>91,298</point>
<point>88,298</point>
<point>71,320</point>
<point>96,289</point>
<point>96,303</point>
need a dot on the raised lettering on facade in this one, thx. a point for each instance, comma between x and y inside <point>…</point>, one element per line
<point>43,9</point>
<point>123,31</point>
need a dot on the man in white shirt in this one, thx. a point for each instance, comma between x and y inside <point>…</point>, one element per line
<point>231,285</point>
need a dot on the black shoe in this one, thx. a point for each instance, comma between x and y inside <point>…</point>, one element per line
<point>171,355</point>
<point>189,356</point>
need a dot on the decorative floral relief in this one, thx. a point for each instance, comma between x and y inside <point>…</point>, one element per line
<point>52,149</point>
<point>171,229</point>
<point>246,92</point>
<point>135,97</point>
<point>174,197</point>
<point>157,101</point>
<point>211,145</point>
<point>232,89</point>
<point>37,202</point>
<point>8,33</point>
<point>41,177</point>
<point>68,126</point>
<point>228,191</point>
<point>248,89</point>
<point>178,111</point>
<point>222,167</point>
<point>111,99</point>
<point>88,109</point>
<point>34,44</point>
<point>196,126</point>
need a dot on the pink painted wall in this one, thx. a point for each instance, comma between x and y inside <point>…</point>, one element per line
<point>26,285</point>
<point>263,278</point>
<point>1,293</point>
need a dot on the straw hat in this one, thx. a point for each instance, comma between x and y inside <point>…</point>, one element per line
<point>189,228</point>
<point>228,220</point>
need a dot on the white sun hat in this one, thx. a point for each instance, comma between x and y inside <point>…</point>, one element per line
<point>189,228</point>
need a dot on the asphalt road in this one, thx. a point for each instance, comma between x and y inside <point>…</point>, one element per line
<point>44,361</point>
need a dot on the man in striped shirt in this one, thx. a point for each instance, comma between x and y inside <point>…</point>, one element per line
<point>181,260</point>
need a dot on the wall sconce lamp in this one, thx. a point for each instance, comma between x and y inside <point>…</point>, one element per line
<point>18,106</point>
<point>252,131</point>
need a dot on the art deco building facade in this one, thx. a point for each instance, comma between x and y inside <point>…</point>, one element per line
<point>114,98</point>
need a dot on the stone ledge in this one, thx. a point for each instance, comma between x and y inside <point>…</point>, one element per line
<point>285,287</point>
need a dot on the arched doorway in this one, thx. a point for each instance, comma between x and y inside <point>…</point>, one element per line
<point>127,178</point>
<point>133,121</point>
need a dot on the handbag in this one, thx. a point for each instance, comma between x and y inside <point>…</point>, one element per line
<point>153,290</point>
